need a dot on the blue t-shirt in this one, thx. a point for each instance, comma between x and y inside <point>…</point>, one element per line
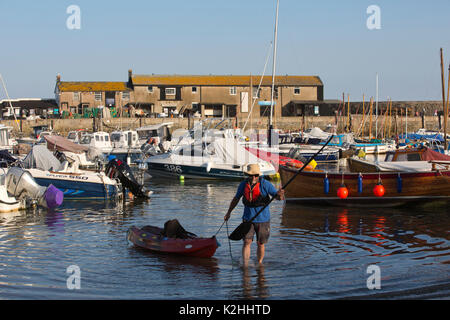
<point>266,188</point>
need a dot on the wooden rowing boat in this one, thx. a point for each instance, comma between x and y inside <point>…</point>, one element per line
<point>411,159</point>
<point>309,187</point>
<point>151,238</point>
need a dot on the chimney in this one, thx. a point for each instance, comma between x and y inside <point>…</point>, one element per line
<point>130,73</point>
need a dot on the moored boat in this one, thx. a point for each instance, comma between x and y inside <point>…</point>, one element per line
<point>152,238</point>
<point>402,160</point>
<point>399,188</point>
<point>19,191</point>
<point>216,159</point>
<point>46,169</point>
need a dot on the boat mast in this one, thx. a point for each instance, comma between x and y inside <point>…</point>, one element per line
<point>376,109</point>
<point>446,112</point>
<point>273,74</point>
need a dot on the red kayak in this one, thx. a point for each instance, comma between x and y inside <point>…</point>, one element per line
<point>152,238</point>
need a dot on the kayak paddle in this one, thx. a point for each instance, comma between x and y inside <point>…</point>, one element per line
<point>240,232</point>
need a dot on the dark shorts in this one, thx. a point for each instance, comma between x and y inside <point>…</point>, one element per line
<point>262,230</point>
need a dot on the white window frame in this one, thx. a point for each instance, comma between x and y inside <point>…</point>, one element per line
<point>76,96</point>
<point>169,91</point>
<point>98,96</point>
<point>299,90</point>
<point>233,91</point>
<point>194,89</point>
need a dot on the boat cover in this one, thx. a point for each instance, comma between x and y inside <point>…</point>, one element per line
<point>63,144</point>
<point>429,154</point>
<point>41,158</point>
<point>317,133</point>
<point>415,136</point>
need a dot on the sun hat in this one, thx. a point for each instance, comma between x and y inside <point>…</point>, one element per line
<point>253,169</point>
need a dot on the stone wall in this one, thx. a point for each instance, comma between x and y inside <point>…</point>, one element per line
<point>63,126</point>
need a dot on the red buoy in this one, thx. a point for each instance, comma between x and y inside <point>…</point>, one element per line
<point>342,192</point>
<point>379,190</point>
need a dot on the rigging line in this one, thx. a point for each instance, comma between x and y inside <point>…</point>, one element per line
<point>220,228</point>
<point>10,104</point>
<point>259,86</point>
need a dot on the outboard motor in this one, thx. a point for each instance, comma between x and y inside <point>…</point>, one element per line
<point>21,184</point>
<point>117,169</point>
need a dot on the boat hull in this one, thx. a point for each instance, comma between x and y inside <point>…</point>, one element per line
<point>197,172</point>
<point>153,241</point>
<point>76,186</point>
<point>400,188</point>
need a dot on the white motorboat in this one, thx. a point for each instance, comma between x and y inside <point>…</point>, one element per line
<point>99,141</point>
<point>75,183</point>
<point>216,158</point>
<point>75,153</point>
<point>159,132</point>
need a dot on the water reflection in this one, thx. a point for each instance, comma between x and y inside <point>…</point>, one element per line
<point>54,221</point>
<point>381,232</point>
<point>254,286</point>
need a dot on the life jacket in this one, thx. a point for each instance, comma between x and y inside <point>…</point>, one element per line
<point>253,197</point>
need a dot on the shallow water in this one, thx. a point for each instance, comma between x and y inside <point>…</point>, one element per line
<point>313,252</point>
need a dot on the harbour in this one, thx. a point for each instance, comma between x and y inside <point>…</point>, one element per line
<point>333,249</point>
<point>196,176</point>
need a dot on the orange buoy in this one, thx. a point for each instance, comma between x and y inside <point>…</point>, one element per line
<point>379,190</point>
<point>342,192</point>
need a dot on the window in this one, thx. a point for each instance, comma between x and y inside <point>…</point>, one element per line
<point>297,90</point>
<point>98,96</point>
<point>170,91</point>
<point>413,157</point>
<point>233,91</point>
<point>194,89</point>
<point>76,96</point>
<point>126,95</point>
<point>256,92</point>
<point>97,138</point>
<point>150,89</point>
<point>115,137</point>
<point>389,157</point>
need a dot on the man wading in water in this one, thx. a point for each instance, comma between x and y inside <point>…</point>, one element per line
<point>256,193</point>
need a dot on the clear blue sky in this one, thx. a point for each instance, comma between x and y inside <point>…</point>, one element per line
<point>327,38</point>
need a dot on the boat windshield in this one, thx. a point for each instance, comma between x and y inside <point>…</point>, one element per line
<point>144,134</point>
<point>115,137</point>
